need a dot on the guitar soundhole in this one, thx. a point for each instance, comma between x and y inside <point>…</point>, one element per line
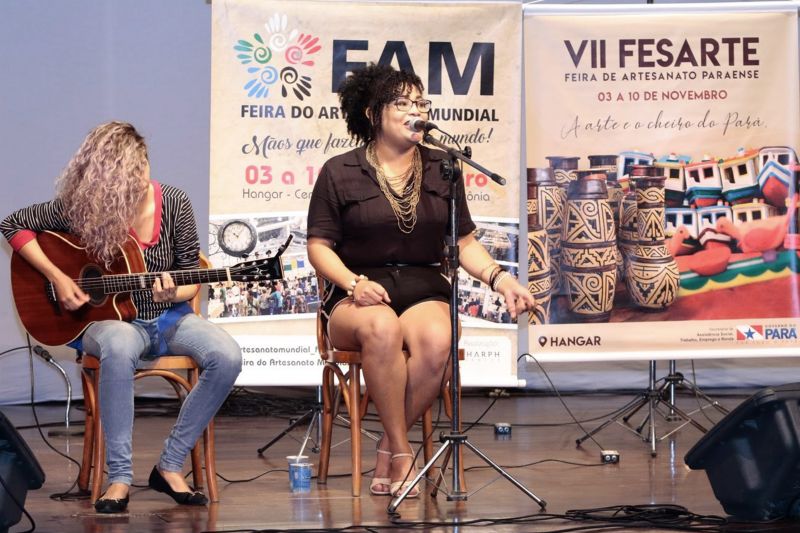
<point>92,284</point>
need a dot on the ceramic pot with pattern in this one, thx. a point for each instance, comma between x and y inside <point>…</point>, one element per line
<point>627,236</point>
<point>539,282</point>
<point>588,248</point>
<point>652,275</point>
<point>615,194</point>
<point>550,202</point>
<point>563,169</point>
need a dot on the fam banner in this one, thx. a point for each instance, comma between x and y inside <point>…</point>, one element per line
<point>661,148</point>
<point>275,120</point>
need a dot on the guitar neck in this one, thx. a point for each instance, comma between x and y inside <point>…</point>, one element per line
<point>115,283</point>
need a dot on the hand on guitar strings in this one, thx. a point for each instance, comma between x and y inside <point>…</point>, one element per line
<point>69,294</point>
<point>164,289</point>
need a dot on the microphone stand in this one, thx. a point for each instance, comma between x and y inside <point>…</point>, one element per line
<point>456,439</point>
<point>44,354</point>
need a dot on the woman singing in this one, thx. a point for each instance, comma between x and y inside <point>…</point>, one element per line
<point>377,225</point>
<point>105,195</point>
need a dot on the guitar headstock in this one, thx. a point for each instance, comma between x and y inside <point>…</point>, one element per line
<point>257,270</point>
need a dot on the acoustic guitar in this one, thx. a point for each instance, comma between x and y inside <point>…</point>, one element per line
<point>108,288</point>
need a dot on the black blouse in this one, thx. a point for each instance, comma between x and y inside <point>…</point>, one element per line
<point>348,207</point>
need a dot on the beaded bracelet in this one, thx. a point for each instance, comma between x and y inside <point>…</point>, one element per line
<point>493,276</point>
<point>354,282</point>
<point>503,274</point>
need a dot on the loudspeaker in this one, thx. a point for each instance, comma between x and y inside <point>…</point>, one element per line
<point>19,471</point>
<point>752,456</point>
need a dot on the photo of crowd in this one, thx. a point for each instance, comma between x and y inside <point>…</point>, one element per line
<point>290,296</point>
<point>478,305</point>
<point>296,296</point>
<point>293,296</point>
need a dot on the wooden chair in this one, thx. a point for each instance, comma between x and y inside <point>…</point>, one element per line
<point>169,367</point>
<point>356,402</point>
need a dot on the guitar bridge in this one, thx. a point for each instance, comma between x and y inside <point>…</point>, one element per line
<point>50,291</point>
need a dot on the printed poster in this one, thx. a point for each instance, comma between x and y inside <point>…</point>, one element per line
<point>275,120</point>
<point>709,96</point>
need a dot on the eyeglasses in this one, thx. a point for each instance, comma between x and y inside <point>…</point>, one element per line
<point>404,104</point>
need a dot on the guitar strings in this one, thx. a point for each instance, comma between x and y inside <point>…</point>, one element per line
<point>116,280</point>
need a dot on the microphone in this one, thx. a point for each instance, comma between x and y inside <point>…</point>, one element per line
<point>417,124</point>
<point>44,354</point>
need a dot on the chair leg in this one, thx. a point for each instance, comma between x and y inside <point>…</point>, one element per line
<point>327,424</point>
<point>210,461</point>
<point>427,441</point>
<point>89,403</point>
<point>197,464</point>
<point>99,447</point>
<point>355,427</point>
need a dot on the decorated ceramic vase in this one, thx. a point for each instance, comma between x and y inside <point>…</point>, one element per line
<point>615,193</point>
<point>588,249</point>
<point>626,222</point>
<point>652,276</point>
<point>538,264</point>
<point>550,202</point>
<point>563,169</point>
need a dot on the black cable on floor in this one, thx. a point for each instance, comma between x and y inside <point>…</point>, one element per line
<point>558,394</point>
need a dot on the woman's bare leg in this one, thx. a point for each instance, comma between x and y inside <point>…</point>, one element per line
<point>375,331</point>
<point>426,335</point>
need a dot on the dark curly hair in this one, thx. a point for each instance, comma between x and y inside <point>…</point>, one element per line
<point>372,87</point>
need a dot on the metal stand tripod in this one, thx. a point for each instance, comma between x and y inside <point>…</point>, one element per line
<point>456,439</point>
<point>652,397</point>
<point>314,418</point>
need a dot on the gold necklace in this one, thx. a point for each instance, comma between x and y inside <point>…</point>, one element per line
<point>401,191</point>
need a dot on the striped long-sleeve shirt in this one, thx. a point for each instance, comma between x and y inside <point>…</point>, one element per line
<point>174,244</point>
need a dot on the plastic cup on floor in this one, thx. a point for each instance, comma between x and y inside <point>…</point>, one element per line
<point>299,473</point>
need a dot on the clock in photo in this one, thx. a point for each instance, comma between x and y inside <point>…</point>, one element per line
<point>237,238</point>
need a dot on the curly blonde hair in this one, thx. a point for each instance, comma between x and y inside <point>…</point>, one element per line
<point>102,188</point>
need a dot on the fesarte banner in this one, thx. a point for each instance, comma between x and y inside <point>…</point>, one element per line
<point>275,120</point>
<point>709,96</point>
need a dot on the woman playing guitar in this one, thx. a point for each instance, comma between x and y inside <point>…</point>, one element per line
<point>105,195</point>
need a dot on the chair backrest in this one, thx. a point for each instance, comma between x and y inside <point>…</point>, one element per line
<point>195,301</point>
<point>326,349</point>
<point>323,342</point>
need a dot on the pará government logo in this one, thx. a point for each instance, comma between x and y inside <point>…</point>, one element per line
<point>753,333</point>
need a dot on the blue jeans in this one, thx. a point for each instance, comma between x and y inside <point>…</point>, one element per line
<point>121,345</point>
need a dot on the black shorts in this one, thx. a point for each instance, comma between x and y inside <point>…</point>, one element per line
<point>406,285</point>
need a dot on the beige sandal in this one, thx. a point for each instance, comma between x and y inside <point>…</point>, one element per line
<point>378,481</point>
<point>398,487</point>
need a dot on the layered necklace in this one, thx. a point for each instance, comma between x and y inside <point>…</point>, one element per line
<point>402,191</point>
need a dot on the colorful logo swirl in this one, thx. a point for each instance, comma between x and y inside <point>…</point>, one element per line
<point>281,56</point>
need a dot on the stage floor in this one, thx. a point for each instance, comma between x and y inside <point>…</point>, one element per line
<point>543,437</point>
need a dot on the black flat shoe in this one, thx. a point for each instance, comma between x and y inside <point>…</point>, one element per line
<point>159,484</point>
<point>111,505</point>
